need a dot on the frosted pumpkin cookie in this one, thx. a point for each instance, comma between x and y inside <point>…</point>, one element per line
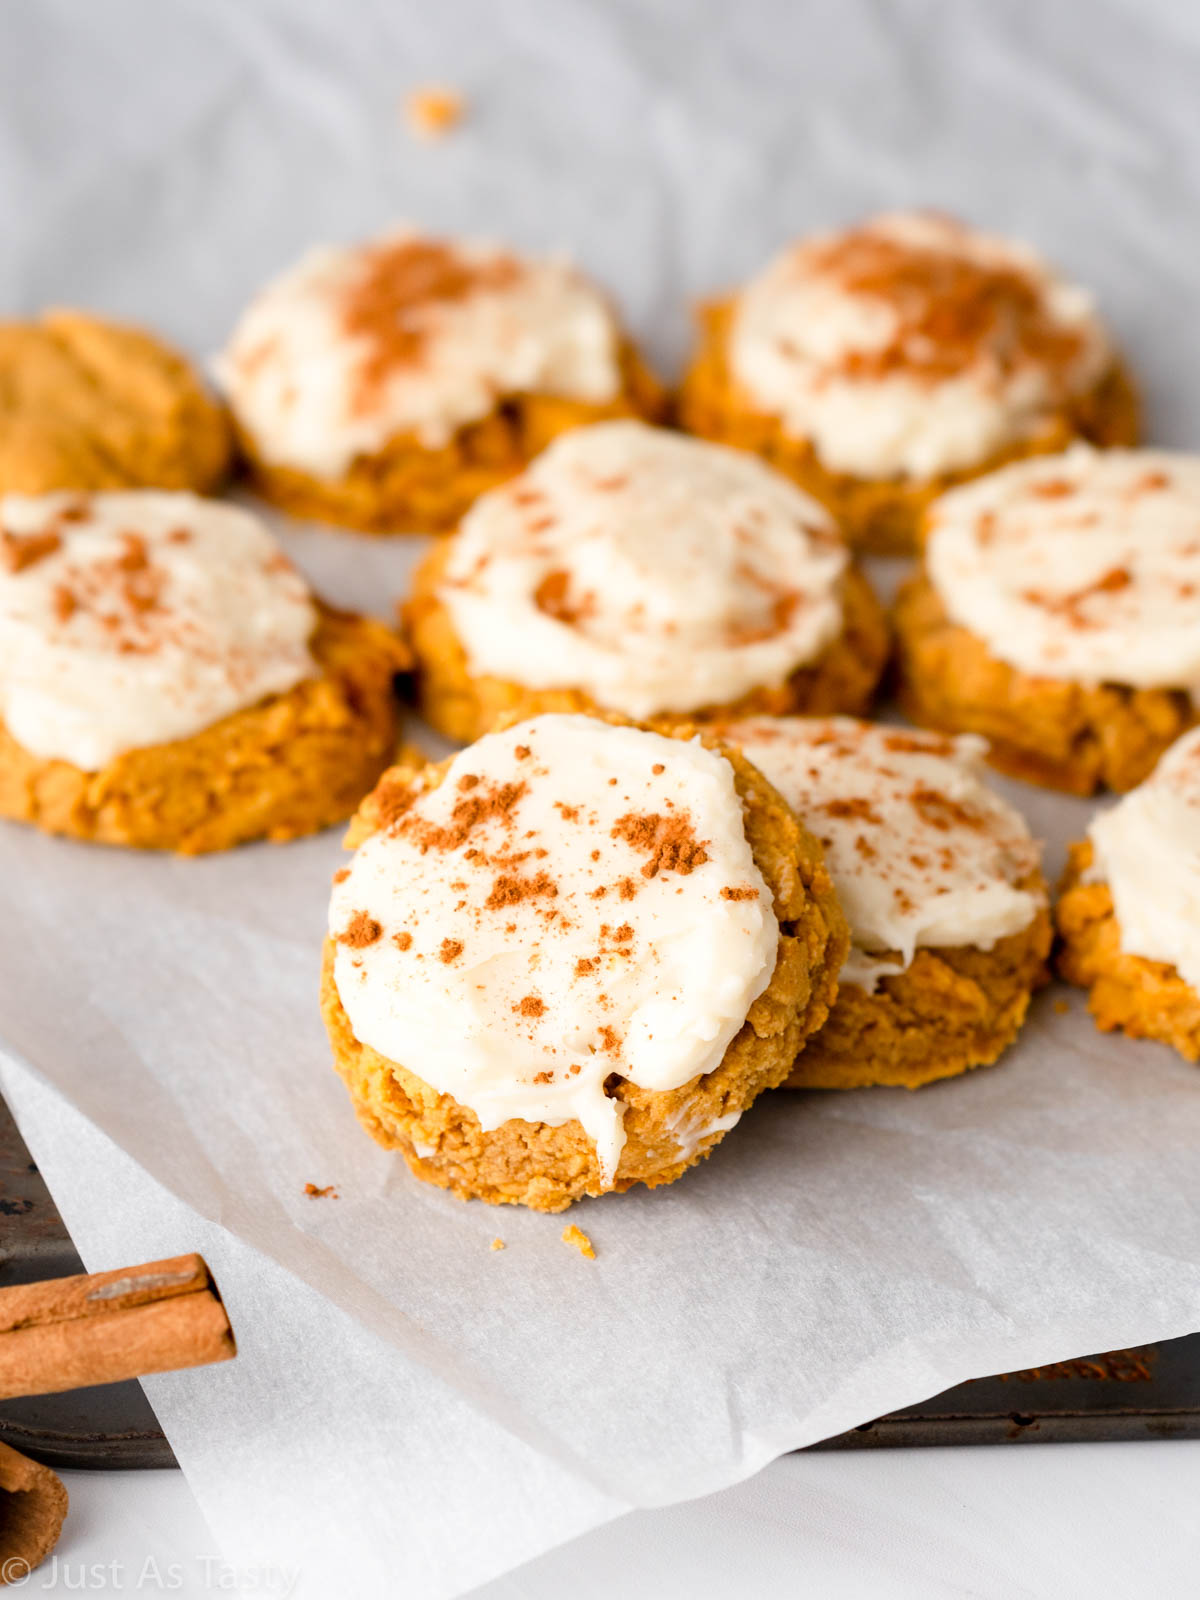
<point>168,681</point>
<point>1127,914</point>
<point>89,404</point>
<point>566,961</point>
<point>1059,615</point>
<point>638,571</point>
<point>880,365</point>
<point>387,385</point>
<point>941,885</point>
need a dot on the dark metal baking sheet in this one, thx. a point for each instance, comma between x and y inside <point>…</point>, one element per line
<point>1149,1393</point>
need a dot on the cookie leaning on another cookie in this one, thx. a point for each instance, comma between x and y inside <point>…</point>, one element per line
<point>168,681</point>
<point>566,961</point>
<point>940,881</point>
<point>883,364</point>
<point>1127,911</point>
<point>633,570</point>
<point>90,404</point>
<point>1058,615</point>
<point>386,386</point>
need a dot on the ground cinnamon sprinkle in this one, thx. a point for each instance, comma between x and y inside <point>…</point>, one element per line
<point>360,931</point>
<point>853,808</point>
<point>1070,606</point>
<point>18,551</point>
<point>670,842</point>
<point>939,811</point>
<point>609,1041</point>
<point>584,966</point>
<point>949,310</point>
<point>450,951</point>
<point>474,808</point>
<point>498,1244</point>
<point>65,603</point>
<point>512,891</point>
<point>327,1193</point>
<point>741,892</point>
<point>399,279</point>
<point>402,940</point>
<point>531,1006</point>
<point>550,597</point>
<point>341,875</point>
<point>1052,488</point>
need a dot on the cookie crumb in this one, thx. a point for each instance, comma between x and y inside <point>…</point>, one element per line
<point>327,1193</point>
<point>433,111</point>
<point>499,1244</point>
<point>576,1236</point>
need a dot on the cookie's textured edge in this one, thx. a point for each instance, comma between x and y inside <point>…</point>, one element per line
<point>951,1010</point>
<point>1050,731</point>
<point>1145,999</point>
<point>291,765</point>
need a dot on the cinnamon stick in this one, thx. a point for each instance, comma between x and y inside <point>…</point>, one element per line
<point>69,1333</point>
<point>33,1503</point>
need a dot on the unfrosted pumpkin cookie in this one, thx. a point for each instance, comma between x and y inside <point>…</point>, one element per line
<point>635,570</point>
<point>941,885</point>
<point>880,365</point>
<point>387,385</point>
<point>1058,615</point>
<point>90,404</point>
<point>566,961</point>
<point>1127,914</point>
<point>168,681</point>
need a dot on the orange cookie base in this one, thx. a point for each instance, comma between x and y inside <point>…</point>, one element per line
<point>407,488</point>
<point>951,1010</point>
<point>1050,731</point>
<point>93,405</point>
<point>880,516</point>
<point>547,1168</point>
<point>1145,999</point>
<point>293,764</point>
<point>464,707</point>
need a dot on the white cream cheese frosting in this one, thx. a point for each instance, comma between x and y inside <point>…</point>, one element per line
<point>921,851</point>
<point>574,900</point>
<point>1147,849</point>
<point>1083,566</point>
<point>913,345</point>
<point>135,618</point>
<point>409,334</point>
<point>652,571</point>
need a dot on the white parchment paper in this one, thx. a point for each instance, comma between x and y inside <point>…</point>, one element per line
<point>411,1412</point>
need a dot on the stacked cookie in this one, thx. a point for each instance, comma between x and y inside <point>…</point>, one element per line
<point>673,868</point>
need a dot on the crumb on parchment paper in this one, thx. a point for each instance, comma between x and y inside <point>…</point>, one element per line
<point>499,1244</point>
<point>432,111</point>
<point>328,1193</point>
<point>576,1236</point>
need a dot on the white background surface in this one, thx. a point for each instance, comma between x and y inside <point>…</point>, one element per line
<point>1053,1522</point>
<point>158,160</point>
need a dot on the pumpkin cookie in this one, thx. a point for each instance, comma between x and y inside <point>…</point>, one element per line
<point>566,961</point>
<point>635,570</point>
<point>168,681</point>
<point>386,386</point>
<point>1058,615</point>
<point>881,365</point>
<point>88,404</point>
<point>940,882</point>
<point>1127,912</point>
